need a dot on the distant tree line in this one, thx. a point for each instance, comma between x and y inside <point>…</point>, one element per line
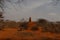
<point>47,26</point>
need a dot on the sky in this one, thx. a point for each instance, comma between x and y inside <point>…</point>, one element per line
<point>17,10</point>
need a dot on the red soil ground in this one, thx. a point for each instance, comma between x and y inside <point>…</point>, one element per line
<point>14,34</point>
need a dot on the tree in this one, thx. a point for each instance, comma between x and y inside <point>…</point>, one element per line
<point>23,26</point>
<point>2,4</point>
<point>56,1</point>
<point>18,1</point>
<point>42,21</point>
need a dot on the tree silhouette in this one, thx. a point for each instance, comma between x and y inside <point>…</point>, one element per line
<point>56,2</point>
<point>2,4</point>
<point>14,2</point>
<point>43,21</point>
<point>18,1</point>
<point>23,26</point>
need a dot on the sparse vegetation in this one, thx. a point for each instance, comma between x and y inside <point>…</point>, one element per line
<point>23,26</point>
<point>47,38</point>
<point>46,25</point>
<point>49,26</point>
<point>2,4</point>
<point>35,28</point>
<point>11,27</point>
<point>2,25</point>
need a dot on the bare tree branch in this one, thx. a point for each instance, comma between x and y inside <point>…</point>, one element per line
<point>2,4</point>
<point>56,1</point>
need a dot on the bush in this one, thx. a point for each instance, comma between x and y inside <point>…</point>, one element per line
<point>23,26</point>
<point>43,21</point>
<point>52,27</point>
<point>47,38</point>
<point>2,25</point>
<point>35,28</point>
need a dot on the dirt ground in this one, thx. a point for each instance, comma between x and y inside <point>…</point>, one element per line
<point>14,34</point>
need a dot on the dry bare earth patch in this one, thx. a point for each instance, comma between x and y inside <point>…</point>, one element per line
<point>14,34</point>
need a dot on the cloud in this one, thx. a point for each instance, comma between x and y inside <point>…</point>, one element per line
<point>31,8</point>
<point>52,14</point>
